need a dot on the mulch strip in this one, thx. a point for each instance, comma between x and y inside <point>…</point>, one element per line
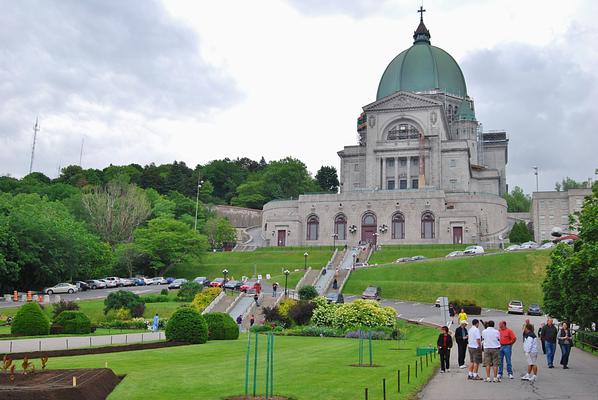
<point>93,350</point>
<point>92,384</point>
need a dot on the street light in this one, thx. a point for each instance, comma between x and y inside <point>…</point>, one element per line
<point>536,173</point>
<point>334,237</point>
<point>376,238</point>
<point>199,183</point>
<point>354,257</point>
<point>305,260</point>
<point>286,281</point>
<point>225,274</point>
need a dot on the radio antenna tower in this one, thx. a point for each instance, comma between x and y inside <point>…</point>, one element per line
<point>35,130</point>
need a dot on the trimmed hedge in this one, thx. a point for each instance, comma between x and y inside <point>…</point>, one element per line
<point>187,325</point>
<point>63,305</point>
<point>124,299</point>
<point>73,322</point>
<point>308,292</point>
<point>221,326</point>
<point>30,320</point>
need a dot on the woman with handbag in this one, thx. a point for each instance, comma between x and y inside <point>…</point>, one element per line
<point>564,339</point>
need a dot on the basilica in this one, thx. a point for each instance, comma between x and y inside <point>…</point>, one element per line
<point>423,170</point>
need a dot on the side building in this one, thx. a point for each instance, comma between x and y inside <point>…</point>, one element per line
<point>552,209</point>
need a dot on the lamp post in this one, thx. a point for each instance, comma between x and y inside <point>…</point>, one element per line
<point>536,173</point>
<point>354,257</point>
<point>305,260</point>
<point>224,274</point>
<point>376,238</point>
<point>199,183</point>
<point>334,236</point>
<point>286,281</point>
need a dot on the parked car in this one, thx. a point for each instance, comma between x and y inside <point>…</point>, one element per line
<point>233,285</point>
<point>82,286</point>
<point>371,293</point>
<point>202,280</point>
<point>170,279</point>
<point>547,245</point>
<point>452,254</point>
<point>402,260</point>
<point>158,280</point>
<point>177,283</point>
<point>473,250</point>
<point>218,282</point>
<point>250,286</point>
<point>139,281</point>
<point>109,284</point>
<point>96,284</point>
<point>61,288</point>
<point>114,281</point>
<point>335,298</point>
<point>515,307</point>
<point>529,245</point>
<point>513,247</point>
<point>534,309</point>
<point>126,282</point>
<point>417,258</point>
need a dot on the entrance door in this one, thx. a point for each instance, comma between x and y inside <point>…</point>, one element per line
<point>457,235</point>
<point>368,228</point>
<point>282,237</point>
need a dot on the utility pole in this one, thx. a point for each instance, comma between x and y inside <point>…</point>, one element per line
<point>35,130</point>
<point>199,183</point>
<point>536,173</point>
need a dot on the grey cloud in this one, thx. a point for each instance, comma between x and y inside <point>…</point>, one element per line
<point>546,102</point>
<point>354,8</point>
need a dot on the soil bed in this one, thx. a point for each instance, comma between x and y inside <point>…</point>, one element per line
<point>92,384</point>
<point>93,350</point>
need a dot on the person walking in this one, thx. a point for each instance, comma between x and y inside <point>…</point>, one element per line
<point>565,344</point>
<point>542,338</point>
<point>461,339</point>
<point>155,323</point>
<point>445,344</point>
<point>491,343</point>
<point>274,289</point>
<point>462,316</point>
<point>530,347</point>
<point>507,339</point>
<point>474,345</point>
<point>452,312</point>
<point>239,320</point>
<point>256,298</point>
<point>549,334</point>
<point>251,320</point>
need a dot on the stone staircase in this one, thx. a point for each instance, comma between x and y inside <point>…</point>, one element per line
<point>225,302</point>
<point>266,300</point>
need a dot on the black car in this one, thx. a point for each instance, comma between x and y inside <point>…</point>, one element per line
<point>83,286</point>
<point>371,293</point>
<point>534,309</point>
<point>233,285</point>
<point>202,280</point>
<point>335,298</point>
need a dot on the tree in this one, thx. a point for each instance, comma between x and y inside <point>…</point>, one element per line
<point>327,179</point>
<point>571,282</point>
<point>167,242</point>
<point>225,175</point>
<point>115,210</point>
<point>220,232</point>
<point>517,201</point>
<point>520,233</point>
<point>569,183</point>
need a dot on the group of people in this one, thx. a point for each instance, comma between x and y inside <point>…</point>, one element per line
<point>492,348</point>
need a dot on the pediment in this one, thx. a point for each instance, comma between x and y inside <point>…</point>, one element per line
<point>402,101</point>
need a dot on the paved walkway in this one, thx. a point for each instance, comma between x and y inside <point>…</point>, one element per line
<point>75,342</point>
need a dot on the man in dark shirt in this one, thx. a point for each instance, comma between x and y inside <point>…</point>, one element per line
<point>549,334</point>
<point>461,339</point>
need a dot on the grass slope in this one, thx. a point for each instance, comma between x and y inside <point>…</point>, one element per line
<point>270,260</point>
<point>304,368</point>
<point>389,254</point>
<point>491,280</point>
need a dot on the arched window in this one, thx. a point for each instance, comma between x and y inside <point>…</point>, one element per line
<point>402,131</point>
<point>313,224</point>
<point>340,227</point>
<point>398,226</point>
<point>368,219</point>
<point>428,225</point>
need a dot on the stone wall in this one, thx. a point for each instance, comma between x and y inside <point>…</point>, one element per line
<point>239,217</point>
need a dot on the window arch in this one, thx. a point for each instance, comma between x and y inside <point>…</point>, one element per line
<point>313,227</point>
<point>368,219</point>
<point>427,225</point>
<point>402,130</point>
<point>340,227</point>
<point>398,226</point>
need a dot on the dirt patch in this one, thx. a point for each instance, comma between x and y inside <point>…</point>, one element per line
<point>92,384</point>
<point>93,350</point>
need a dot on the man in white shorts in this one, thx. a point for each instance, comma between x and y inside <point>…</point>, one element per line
<point>491,342</point>
<point>530,347</point>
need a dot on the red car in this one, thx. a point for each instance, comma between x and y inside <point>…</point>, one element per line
<point>218,282</point>
<point>251,286</point>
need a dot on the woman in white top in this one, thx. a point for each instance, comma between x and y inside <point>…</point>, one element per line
<point>530,347</point>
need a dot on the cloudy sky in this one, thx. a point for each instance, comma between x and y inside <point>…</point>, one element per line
<point>157,81</point>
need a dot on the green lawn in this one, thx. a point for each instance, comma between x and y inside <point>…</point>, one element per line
<point>270,260</point>
<point>304,368</point>
<point>492,280</point>
<point>389,254</point>
<point>99,331</point>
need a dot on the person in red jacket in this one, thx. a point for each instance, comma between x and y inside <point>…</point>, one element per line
<point>445,343</point>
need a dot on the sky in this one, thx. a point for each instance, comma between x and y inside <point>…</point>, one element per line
<point>156,81</point>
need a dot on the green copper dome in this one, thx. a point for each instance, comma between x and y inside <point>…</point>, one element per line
<point>465,112</point>
<point>422,67</point>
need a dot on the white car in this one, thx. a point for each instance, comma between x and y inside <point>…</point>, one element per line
<point>109,284</point>
<point>547,245</point>
<point>454,254</point>
<point>513,247</point>
<point>529,245</point>
<point>515,307</point>
<point>61,288</point>
<point>473,250</point>
<point>157,281</point>
<point>126,282</point>
<point>96,284</point>
<point>113,281</point>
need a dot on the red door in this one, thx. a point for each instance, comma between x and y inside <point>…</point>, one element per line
<point>457,235</point>
<point>367,234</point>
<point>282,237</point>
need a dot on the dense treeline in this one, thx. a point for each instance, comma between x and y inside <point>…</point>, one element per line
<point>129,220</point>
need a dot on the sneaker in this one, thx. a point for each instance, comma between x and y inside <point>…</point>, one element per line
<point>496,380</point>
<point>565,367</point>
<point>525,377</point>
<point>532,378</point>
<point>461,366</point>
<point>488,380</point>
<point>442,371</point>
<point>469,377</point>
<point>510,376</point>
<point>477,378</point>
<point>448,370</point>
<point>499,376</point>
<point>551,366</point>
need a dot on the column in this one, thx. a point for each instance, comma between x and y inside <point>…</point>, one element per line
<point>384,186</point>
<point>409,172</point>
<point>396,172</point>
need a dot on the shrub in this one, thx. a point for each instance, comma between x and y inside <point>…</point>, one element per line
<point>261,328</point>
<point>311,330</point>
<point>203,299</point>
<point>30,320</point>
<point>284,306</point>
<point>164,292</point>
<point>308,292</point>
<point>137,323</point>
<point>379,333</point>
<point>63,305</point>
<point>188,291</point>
<point>187,325</point>
<point>324,313</point>
<point>156,298</point>
<point>360,313</point>
<point>221,326</point>
<point>73,322</point>
<point>302,312</point>
<point>124,299</point>
<point>122,314</point>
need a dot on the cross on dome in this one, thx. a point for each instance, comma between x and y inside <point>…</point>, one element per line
<point>421,11</point>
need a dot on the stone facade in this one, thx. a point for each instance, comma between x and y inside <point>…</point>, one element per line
<point>239,217</point>
<point>552,209</point>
